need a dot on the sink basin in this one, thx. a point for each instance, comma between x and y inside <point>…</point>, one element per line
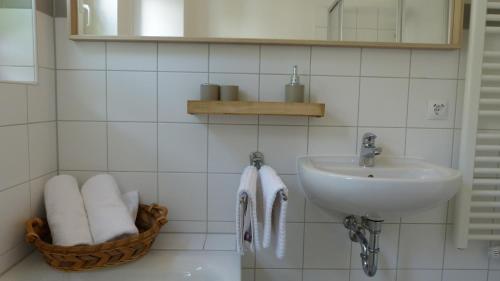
<point>393,187</point>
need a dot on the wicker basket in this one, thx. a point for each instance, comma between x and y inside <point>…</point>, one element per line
<point>83,258</point>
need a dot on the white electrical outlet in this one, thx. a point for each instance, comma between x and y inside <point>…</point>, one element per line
<point>437,110</point>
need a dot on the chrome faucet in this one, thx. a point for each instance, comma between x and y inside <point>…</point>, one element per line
<point>368,150</point>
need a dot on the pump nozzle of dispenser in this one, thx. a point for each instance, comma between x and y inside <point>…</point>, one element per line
<point>295,79</point>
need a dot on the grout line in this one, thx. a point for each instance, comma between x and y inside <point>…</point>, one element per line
<point>106,102</point>
<point>208,143</point>
<point>157,124</point>
<point>28,149</point>
<point>264,74</point>
<point>56,94</point>
<point>407,104</point>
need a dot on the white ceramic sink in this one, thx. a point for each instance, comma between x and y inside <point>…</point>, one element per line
<point>393,187</point>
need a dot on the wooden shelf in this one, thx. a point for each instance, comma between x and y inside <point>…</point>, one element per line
<point>256,108</point>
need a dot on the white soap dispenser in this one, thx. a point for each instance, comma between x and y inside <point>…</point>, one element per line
<point>294,92</point>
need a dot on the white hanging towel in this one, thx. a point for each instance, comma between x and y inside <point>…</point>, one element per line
<point>247,234</point>
<point>65,212</point>
<point>109,217</point>
<point>274,210</point>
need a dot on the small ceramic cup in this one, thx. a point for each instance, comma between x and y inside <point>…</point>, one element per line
<point>229,93</point>
<point>209,92</point>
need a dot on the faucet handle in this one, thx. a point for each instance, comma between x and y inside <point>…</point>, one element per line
<point>369,138</point>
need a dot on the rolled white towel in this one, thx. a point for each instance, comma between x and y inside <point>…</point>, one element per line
<point>66,212</point>
<point>108,215</point>
<point>131,200</point>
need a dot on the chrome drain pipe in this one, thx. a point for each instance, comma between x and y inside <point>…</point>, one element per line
<point>357,227</point>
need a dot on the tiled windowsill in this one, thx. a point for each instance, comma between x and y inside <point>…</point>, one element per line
<point>173,256</point>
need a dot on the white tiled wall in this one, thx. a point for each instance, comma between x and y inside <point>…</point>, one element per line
<point>28,147</point>
<point>122,109</point>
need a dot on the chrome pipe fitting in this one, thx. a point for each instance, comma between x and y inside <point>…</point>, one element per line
<point>357,227</point>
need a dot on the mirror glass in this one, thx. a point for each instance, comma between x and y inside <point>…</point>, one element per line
<point>17,41</point>
<point>406,21</point>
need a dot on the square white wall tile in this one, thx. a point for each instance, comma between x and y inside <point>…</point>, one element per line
<point>220,226</point>
<point>385,62</point>
<point>325,275</point>
<point>247,275</point>
<point>367,18</point>
<point>77,55</point>
<point>391,140</point>
<point>12,104</point>
<point>81,95</point>
<point>183,57</point>
<point>10,258</point>
<point>234,58</point>
<point>173,241</point>
<point>278,274</point>
<point>37,187</point>
<point>174,90</point>
<point>42,97</point>
<point>282,59</point>
<point>494,275</point>
<point>266,258</point>
<point>249,91</point>
<point>341,95</point>
<point>319,253</point>
<point>45,40</point>
<point>191,138</point>
<point>474,257</point>
<point>222,190</point>
<point>42,148</point>
<point>423,91</point>
<point>296,199</point>
<point>465,275</point>
<point>418,251</point>
<point>131,56</point>
<point>12,231</point>
<point>335,61</point>
<point>132,146</point>
<point>382,275</point>
<point>494,264</point>
<point>272,88</point>
<point>383,102</point>
<point>332,140</point>
<point>82,146</point>
<point>315,213</point>
<point>220,242</point>
<point>282,145</point>
<point>145,183</point>
<point>434,215</point>
<point>185,227</point>
<point>131,96</point>
<point>388,249</point>
<point>434,145</point>
<point>419,275</point>
<point>434,64</point>
<point>185,194</point>
<point>229,147</point>
<point>13,155</point>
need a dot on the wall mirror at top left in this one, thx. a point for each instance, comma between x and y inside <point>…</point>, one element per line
<point>18,62</point>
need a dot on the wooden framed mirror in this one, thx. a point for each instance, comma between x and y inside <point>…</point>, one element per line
<point>434,24</point>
